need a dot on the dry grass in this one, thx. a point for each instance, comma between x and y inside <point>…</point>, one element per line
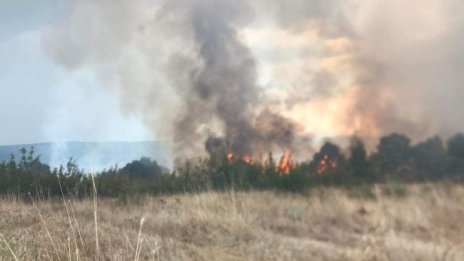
<point>326,224</point>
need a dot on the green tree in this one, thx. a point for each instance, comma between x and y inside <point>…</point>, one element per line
<point>144,168</point>
<point>456,146</point>
<point>455,149</point>
<point>358,163</point>
<point>393,157</point>
<point>430,159</point>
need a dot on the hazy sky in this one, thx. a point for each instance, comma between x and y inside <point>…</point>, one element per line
<point>40,101</point>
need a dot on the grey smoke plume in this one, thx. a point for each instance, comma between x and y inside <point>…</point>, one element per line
<point>186,67</point>
<point>225,82</point>
<point>213,79</point>
<point>223,86</point>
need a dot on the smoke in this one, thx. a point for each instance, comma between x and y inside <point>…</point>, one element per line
<point>258,76</point>
<point>209,77</point>
<point>407,68</point>
<point>401,64</point>
<point>223,86</point>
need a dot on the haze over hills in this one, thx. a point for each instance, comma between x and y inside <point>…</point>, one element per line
<point>92,156</point>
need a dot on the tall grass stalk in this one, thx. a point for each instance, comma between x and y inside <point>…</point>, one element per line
<point>138,249</point>
<point>68,215</point>
<point>95,211</point>
<point>44,225</point>
<point>9,248</point>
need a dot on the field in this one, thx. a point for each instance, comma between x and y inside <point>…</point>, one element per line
<point>418,222</point>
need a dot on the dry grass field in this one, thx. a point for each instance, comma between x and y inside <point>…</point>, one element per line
<point>326,224</point>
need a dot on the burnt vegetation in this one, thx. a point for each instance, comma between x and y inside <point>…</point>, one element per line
<point>394,160</point>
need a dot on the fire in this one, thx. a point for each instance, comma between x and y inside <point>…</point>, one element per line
<point>285,163</point>
<point>247,159</point>
<point>325,164</point>
<point>338,115</point>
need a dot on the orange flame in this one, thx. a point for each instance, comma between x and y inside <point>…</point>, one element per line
<point>247,159</point>
<point>285,164</point>
<point>230,156</point>
<point>325,164</point>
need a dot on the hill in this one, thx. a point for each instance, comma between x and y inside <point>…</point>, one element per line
<point>93,156</point>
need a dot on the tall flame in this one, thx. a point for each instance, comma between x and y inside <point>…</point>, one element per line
<point>285,163</point>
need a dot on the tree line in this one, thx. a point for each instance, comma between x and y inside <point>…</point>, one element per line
<point>395,159</point>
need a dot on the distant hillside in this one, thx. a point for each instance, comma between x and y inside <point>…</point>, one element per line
<point>93,155</point>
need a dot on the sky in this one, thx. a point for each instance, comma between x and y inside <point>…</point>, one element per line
<point>42,102</point>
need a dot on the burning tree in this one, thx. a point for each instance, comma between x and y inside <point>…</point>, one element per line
<point>328,158</point>
<point>285,164</point>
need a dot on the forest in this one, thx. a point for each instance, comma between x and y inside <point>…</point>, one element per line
<point>394,160</point>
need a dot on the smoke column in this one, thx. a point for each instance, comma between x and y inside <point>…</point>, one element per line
<point>253,76</point>
<point>223,86</point>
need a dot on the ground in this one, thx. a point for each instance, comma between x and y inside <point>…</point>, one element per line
<point>420,222</point>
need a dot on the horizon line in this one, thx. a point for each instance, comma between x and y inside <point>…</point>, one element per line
<point>76,141</point>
